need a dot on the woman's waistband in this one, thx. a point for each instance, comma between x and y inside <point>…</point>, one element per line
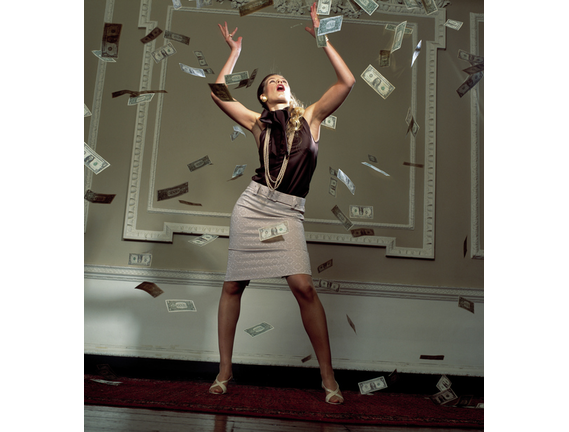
<point>292,200</point>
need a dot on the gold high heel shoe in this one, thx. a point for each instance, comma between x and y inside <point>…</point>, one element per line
<point>331,393</point>
<point>220,384</point>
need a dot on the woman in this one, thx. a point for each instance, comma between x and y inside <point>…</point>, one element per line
<point>287,139</point>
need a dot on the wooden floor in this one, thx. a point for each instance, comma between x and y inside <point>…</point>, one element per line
<point>112,419</point>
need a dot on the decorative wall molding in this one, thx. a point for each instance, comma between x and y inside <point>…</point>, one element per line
<point>427,250</point>
<point>351,288</point>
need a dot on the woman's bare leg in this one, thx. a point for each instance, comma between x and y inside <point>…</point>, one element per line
<point>227,317</point>
<point>314,321</point>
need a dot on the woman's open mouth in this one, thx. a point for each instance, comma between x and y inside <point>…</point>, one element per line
<point>280,87</point>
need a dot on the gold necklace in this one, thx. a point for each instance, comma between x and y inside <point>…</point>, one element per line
<point>268,177</point>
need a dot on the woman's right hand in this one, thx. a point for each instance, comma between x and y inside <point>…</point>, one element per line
<point>234,45</point>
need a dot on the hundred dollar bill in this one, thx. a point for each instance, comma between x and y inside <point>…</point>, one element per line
<point>86,112</point>
<point>346,180</point>
<point>97,198</point>
<point>273,231</point>
<point>372,158</point>
<point>151,288</point>
<point>180,306</point>
<point>342,218</point>
<point>332,187</point>
<point>466,304</point>
<point>351,323</point>
<point>413,164</point>
<point>93,161</point>
<point>444,383</point>
<point>375,168</point>
<point>455,25</point>
<point>323,7</point>
<point>199,163</point>
<point>236,78</point>
<point>444,397</point>
<point>391,27</point>
<point>384,58</point>
<point>140,99</point>
<point>152,35</point>
<point>192,71</point>
<point>110,44</point>
<point>172,192</point>
<point>221,91</point>
<point>330,25</point>
<point>326,265</point>
<point>177,37</point>
<point>97,54</point>
<point>204,239</point>
<point>253,6</point>
<point>359,232</point>
<point>369,6</point>
<point>163,52</point>
<point>321,41</point>
<point>330,122</point>
<point>361,212</point>
<point>140,259</point>
<point>377,82</point>
<point>430,6</point>
<point>398,37</point>
<point>372,385</point>
<point>416,52</point>
<point>470,82</point>
<point>259,329</point>
<point>238,171</point>
<point>478,67</point>
<point>471,58</point>
<point>189,203</point>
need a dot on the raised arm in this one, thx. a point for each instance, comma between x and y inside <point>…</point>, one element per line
<point>236,110</point>
<point>335,95</point>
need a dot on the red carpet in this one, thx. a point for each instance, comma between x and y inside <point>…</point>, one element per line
<point>287,403</point>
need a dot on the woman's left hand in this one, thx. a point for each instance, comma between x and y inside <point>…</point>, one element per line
<point>315,20</point>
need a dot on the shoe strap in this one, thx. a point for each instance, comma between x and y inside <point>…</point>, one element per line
<point>332,393</point>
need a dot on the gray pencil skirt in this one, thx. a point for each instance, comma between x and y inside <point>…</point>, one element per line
<point>285,255</point>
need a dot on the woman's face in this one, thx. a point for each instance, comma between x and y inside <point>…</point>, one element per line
<point>277,90</point>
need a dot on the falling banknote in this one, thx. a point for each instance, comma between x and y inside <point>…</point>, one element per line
<point>361,212</point>
<point>444,383</point>
<point>470,82</point>
<point>375,168</point>
<point>98,198</point>
<point>177,37</point>
<point>152,35</point>
<point>377,82</point>
<point>416,52</point>
<point>199,163</point>
<point>398,37</point>
<point>369,6</point>
<point>443,397</point>
<point>140,99</point>
<point>342,218</point>
<point>253,6</point>
<point>110,44</point>
<point>259,329</point>
<point>204,239</point>
<point>92,160</point>
<point>330,122</point>
<point>236,78</point>
<point>330,25</point>
<point>221,91</point>
<point>323,7</point>
<point>192,71</point>
<point>238,171</point>
<point>172,192</point>
<point>151,288</point>
<point>140,259</point>
<point>163,52</point>
<point>180,306</point>
<point>372,385</point>
<point>346,180</point>
<point>273,231</point>
<point>326,265</point>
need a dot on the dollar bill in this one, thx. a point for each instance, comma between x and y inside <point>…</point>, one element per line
<point>202,3</point>
<point>253,6</point>
<point>455,25</point>
<point>416,52</point>
<point>172,192</point>
<point>412,4</point>
<point>106,371</point>
<point>140,259</point>
<point>342,218</point>
<point>470,82</point>
<point>163,52</point>
<point>248,81</point>
<point>201,58</point>
<point>134,94</point>
<point>177,37</point>
<point>466,304</point>
<point>409,116</point>
<point>321,41</point>
<point>221,91</point>
<point>209,70</point>
<point>111,36</point>
<point>333,172</point>
<point>369,6</point>
<point>359,232</point>
<point>391,27</point>
<point>273,231</point>
<point>334,286</point>
<point>180,306</point>
<point>372,158</point>
<point>259,329</point>
<point>384,58</point>
<point>192,71</point>
<point>330,122</point>
<point>346,180</point>
<point>189,203</point>
<point>199,163</point>
<point>398,37</point>
<point>98,54</point>
<point>204,239</point>
<point>375,168</point>
<point>351,323</point>
<point>323,7</point>
<point>361,212</point>
<point>238,171</point>
<point>444,397</point>
<point>413,164</point>
<point>430,6</point>
<point>93,161</point>
<point>332,187</point>
<point>86,112</point>
<point>444,383</point>
<point>236,131</point>
<point>305,359</point>
<point>372,385</point>
<point>330,25</point>
<point>478,67</point>
<point>152,35</point>
<point>413,127</point>
<point>151,288</point>
<point>377,82</point>
<point>100,381</point>
<point>177,4</point>
<point>236,78</point>
<point>97,198</point>
<point>471,58</point>
<point>326,265</point>
<point>147,97</point>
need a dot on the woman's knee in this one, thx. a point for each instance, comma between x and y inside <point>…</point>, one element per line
<point>303,288</point>
<point>234,287</point>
